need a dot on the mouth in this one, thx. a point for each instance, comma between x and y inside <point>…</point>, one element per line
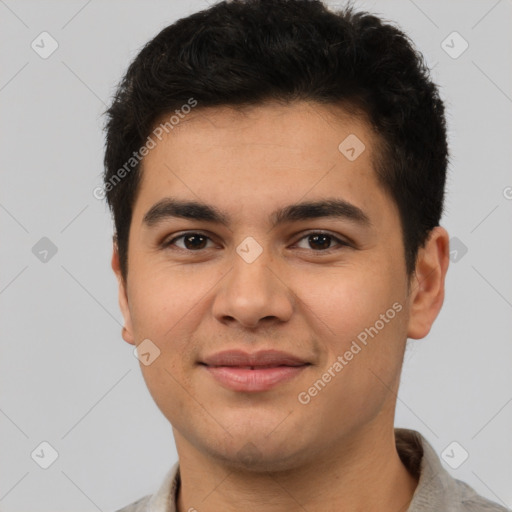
<point>256,372</point>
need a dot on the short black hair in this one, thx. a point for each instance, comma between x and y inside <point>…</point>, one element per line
<point>247,52</point>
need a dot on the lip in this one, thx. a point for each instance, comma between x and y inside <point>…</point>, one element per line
<point>256,372</point>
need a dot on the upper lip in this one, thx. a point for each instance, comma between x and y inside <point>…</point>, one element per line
<point>262,358</point>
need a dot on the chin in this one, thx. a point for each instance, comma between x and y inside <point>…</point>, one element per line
<point>257,455</point>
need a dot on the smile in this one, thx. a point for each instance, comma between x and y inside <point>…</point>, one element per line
<point>253,378</point>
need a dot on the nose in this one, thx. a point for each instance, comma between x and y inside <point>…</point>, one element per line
<point>253,293</point>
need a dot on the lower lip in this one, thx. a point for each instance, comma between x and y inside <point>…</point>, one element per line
<point>244,379</point>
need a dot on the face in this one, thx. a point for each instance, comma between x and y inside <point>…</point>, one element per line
<point>276,310</point>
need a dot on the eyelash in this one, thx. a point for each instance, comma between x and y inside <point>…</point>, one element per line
<point>341,243</point>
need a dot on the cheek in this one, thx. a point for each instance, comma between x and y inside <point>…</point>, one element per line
<point>168,308</point>
<point>168,385</point>
<point>345,301</point>
<point>165,300</point>
<point>357,314</point>
<point>362,319</point>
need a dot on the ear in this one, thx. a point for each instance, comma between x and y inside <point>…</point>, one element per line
<point>127,331</point>
<point>427,283</point>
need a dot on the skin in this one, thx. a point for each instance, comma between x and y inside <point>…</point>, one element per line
<point>266,451</point>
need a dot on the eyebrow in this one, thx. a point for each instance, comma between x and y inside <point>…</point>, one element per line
<point>169,208</point>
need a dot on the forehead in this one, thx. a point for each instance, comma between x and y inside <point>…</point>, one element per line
<point>263,154</point>
<point>299,127</point>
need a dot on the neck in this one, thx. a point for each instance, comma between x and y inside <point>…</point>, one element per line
<point>366,473</point>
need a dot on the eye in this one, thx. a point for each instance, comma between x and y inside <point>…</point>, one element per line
<point>191,241</point>
<point>194,242</point>
<point>321,242</point>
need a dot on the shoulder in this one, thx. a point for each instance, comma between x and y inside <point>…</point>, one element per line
<point>437,489</point>
<point>472,502</point>
<point>137,506</point>
<point>163,500</point>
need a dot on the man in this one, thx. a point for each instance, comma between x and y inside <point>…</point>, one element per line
<point>276,175</point>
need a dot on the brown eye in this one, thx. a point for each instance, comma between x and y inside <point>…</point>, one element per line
<point>190,241</point>
<point>322,241</point>
<point>194,241</point>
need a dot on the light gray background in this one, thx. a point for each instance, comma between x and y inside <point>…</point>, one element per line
<point>66,375</point>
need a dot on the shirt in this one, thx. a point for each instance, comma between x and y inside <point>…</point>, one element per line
<point>437,490</point>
